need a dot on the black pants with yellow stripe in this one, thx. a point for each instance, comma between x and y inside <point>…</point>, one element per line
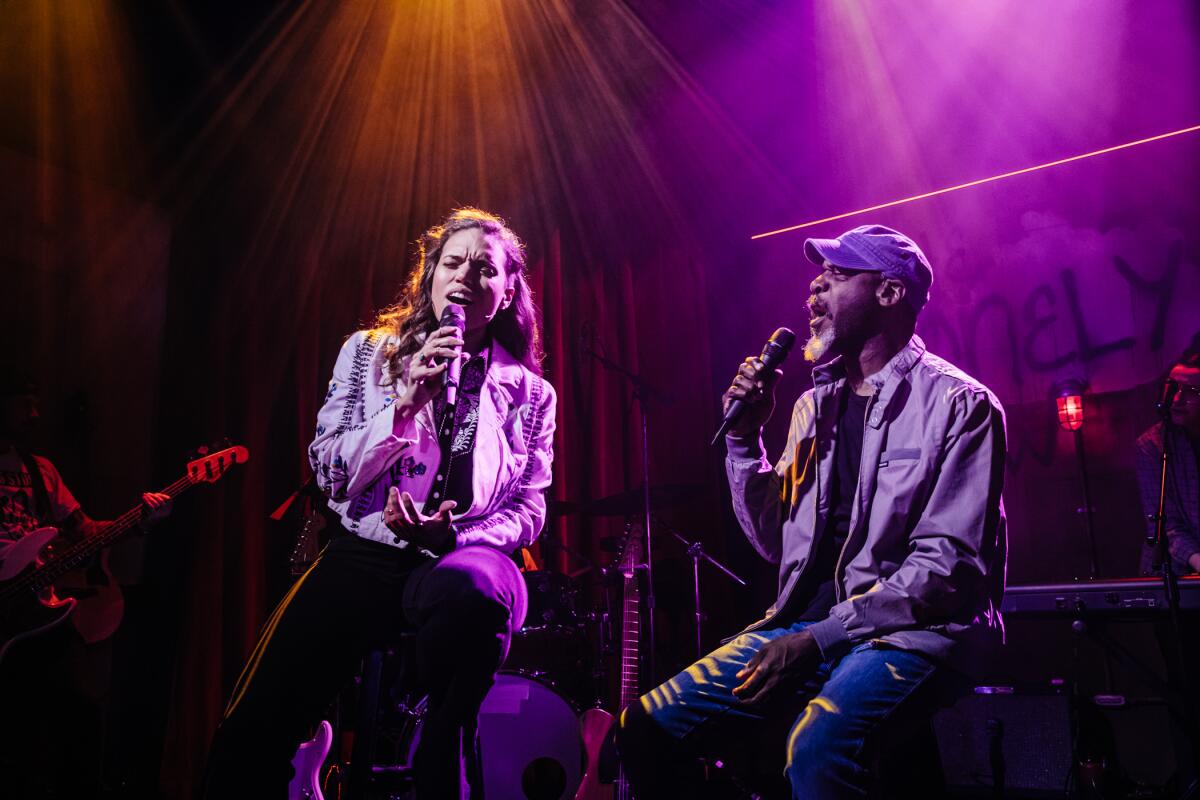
<point>358,596</point>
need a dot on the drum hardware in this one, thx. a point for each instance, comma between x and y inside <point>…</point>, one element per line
<point>695,551</point>
<point>555,646</point>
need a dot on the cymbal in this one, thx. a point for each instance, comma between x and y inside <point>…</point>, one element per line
<point>559,508</point>
<point>669,495</point>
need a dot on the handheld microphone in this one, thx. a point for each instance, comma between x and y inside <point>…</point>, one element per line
<point>773,354</point>
<point>1166,399</point>
<point>453,316</point>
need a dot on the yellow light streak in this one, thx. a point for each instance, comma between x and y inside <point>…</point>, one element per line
<point>969,184</point>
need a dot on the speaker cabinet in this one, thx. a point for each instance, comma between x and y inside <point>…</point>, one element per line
<point>1001,736</point>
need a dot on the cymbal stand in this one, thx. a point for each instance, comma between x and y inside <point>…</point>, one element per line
<point>641,391</point>
<point>696,552</point>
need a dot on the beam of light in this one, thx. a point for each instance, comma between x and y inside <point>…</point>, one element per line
<point>969,184</point>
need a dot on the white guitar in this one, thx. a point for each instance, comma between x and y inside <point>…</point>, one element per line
<point>306,784</point>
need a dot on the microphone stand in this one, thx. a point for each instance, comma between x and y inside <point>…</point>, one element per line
<point>641,391</point>
<point>1162,557</point>
<point>1087,504</point>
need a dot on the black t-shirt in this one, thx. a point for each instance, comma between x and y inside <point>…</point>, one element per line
<point>852,417</point>
<point>455,477</point>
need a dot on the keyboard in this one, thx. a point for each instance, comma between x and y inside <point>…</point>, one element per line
<point>1119,595</point>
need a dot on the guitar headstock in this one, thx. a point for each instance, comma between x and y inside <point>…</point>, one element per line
<point>209,468</point>
<point>630,557</point>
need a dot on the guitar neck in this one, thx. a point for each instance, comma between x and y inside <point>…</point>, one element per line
<point>630,641</point>
<point>631,622</point>
<point>79,553</point>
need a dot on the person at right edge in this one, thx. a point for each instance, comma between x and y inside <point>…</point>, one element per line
<point>1182,503</point>
<point>1179,432</point>
<point>885,516</point>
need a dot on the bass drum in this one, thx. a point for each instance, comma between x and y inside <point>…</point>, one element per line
<point>530,742</point>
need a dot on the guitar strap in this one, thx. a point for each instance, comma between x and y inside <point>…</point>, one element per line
<point>37,481</point>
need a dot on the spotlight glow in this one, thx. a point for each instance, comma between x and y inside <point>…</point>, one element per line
<point>969,184</point>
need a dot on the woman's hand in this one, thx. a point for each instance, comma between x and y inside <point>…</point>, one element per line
<point>404,519</point>
<point>423,380</point>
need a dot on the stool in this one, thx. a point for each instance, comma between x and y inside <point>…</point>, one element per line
<point>382,677</point>
<point>390,701</point>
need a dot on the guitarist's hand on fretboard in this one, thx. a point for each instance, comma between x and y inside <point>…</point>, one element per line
<point>156,507</point>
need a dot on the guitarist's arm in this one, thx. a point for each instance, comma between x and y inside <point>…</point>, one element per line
<point>78,525</point>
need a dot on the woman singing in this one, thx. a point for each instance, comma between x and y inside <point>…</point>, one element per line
<point>432,510</point>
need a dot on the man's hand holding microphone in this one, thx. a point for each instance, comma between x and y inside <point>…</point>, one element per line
<point>750,399</point>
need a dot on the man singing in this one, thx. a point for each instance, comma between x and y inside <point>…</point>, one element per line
<point>885,517</point>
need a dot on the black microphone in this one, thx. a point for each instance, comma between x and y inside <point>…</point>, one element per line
<point>773,354</point>
<point>1166,399</point>
<point>453,316</point>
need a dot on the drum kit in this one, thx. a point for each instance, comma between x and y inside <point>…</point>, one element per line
<point>531,740</point>
<point>531,744</point>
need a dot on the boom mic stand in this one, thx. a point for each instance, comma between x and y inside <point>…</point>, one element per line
<point>641,391</point>
<point>1162,558</point>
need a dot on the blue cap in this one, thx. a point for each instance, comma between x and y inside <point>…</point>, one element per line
<point>879,249</point>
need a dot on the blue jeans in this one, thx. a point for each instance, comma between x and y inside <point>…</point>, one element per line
<point>829,717</point>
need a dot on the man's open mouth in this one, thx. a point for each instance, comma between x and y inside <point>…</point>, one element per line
<point>816,314</point>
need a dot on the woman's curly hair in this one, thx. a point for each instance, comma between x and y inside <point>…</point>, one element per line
<point>516,327</point>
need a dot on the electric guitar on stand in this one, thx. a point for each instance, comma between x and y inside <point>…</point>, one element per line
<point>596,722</point>
<point>310,757</point>
<point>28,604</point>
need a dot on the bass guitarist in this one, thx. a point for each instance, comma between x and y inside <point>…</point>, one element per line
<point>53,685</point>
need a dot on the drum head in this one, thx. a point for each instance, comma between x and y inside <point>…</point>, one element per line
<point>529,742</point>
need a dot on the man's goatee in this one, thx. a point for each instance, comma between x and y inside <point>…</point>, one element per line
<point>818,345</point>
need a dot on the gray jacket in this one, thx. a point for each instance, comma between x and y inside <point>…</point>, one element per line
<point>924,560</point>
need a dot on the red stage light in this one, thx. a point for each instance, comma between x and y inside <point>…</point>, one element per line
<point>1070,412</point>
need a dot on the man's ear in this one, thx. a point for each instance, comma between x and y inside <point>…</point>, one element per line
<point>890,292</point>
